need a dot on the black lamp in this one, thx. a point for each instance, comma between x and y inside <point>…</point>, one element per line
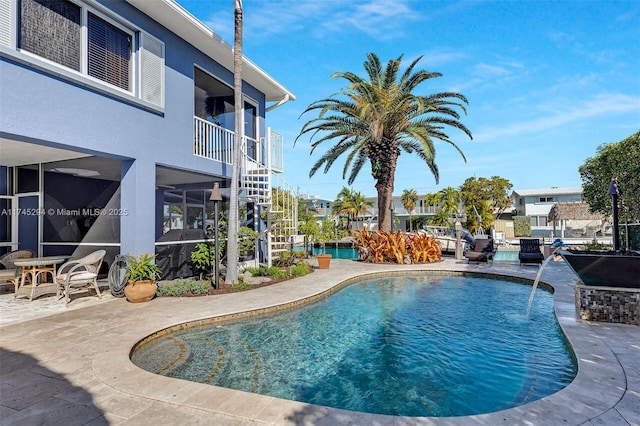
<point>614,191</point>
<point>216,197</point>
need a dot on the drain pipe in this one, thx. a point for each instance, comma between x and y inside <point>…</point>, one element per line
<point>279,104</point>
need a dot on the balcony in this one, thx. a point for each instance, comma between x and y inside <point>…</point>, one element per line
<point>214,142</point>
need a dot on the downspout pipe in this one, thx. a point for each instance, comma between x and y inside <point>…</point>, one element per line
<point>279,104</point>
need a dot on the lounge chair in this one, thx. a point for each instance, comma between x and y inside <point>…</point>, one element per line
<point>482,251</point>
<point>9,274</point>
<point>79,274</point>
<point>530,251</point>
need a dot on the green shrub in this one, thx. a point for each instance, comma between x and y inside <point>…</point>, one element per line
<point>522,226</point>
<point>301,269</point>
<point>285,258</point>
<point>263,271</point>
<point>182,287</point>
<point>241,286</point>
<point>202,258</point>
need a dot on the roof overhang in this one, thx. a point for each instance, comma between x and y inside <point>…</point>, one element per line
<point>181,22</point>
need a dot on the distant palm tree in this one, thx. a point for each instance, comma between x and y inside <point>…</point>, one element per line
<point>447,201</point>
<point>374,120</point>
<point>360,205</point>
<point>350,203</point>
<point>409,199</point>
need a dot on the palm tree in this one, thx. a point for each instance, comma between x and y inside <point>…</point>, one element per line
<point>232,237</point>
<point>373,121</point>
<point>409,198</point>
<point>360,205</point>
<point>351,203</point>
<point>341,203</point>
<point>449,200</point>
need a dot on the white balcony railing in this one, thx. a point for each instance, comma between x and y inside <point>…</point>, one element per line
<point>216,143</point>
<point>212,141</point>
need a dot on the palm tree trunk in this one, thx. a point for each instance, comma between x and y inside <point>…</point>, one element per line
<point>385,195</point>
<point>232,236</point>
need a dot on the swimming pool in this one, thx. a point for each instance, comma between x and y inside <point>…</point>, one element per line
<point>338,252</point>
<point>416,345</point>
<point>502,254</point>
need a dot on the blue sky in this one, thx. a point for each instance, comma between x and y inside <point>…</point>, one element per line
<point>547,82</point>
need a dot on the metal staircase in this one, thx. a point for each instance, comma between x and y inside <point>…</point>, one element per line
<point>261,185</point>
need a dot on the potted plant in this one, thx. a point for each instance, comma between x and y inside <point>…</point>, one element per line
<point>324,233</point>
<point>141,273</point>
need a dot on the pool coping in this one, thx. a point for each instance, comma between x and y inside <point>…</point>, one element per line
<point>606,389</point>
<point>575,404</point>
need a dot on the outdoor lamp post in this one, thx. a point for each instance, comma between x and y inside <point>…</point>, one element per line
<point>391,209</point>
<point>216,197</point>
<point>614,191</point>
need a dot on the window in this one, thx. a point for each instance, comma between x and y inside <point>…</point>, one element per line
<point>51,29</point>
<point>109,53</point>
<point>76,36</point>
<point>539,221</point>
<point>546,200</point>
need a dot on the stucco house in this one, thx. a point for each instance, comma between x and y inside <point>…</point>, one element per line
<point>537,203</point>
<point>116,119</point>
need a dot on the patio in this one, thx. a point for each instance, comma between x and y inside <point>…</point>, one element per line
<point>71,365</point>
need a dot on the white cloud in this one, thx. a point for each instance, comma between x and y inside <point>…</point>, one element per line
<point>598,106</point>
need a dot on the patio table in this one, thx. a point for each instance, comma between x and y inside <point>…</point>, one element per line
<point>36,270</point>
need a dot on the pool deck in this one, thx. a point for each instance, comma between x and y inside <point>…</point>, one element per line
<point>70,366</point>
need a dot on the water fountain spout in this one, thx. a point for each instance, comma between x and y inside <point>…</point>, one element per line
<point>537,280</point>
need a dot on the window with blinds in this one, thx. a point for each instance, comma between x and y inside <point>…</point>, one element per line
<point>103,49</point>
<point>109,53</point>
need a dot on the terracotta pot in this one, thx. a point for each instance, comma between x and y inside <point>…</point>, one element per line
<point>323,261</point>
<point>140,291</point>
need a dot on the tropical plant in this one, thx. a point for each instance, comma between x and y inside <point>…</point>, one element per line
<point>247,240</point>
<point>326,232</point>
<point>487,196</point>
<point>409,199</point>
<point>141,268</point>
<point>619,160</point>
<point>448,201</point>
<point>374,120</point>
<point>202,258</point>
<point>309,227</point>
<point>350,203</point>
<point>399,247</point>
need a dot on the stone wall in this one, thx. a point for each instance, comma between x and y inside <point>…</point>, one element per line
<point>607,304</point>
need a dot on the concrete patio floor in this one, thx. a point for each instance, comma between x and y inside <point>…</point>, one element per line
<point>70,366</point>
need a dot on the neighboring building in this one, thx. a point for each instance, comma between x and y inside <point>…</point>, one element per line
<point>321,207</point>
<point>116,119</point>
<point>537,203</point>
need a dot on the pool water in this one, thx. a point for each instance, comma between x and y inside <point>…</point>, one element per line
<point>417,345</point>
<point>511,255</point>
<point>338,252</point>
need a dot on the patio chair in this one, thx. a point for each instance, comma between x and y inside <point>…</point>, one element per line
<point>9,274</point>
<point>530,251</point>
<point>482,251</point>
<point>79,274</point>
